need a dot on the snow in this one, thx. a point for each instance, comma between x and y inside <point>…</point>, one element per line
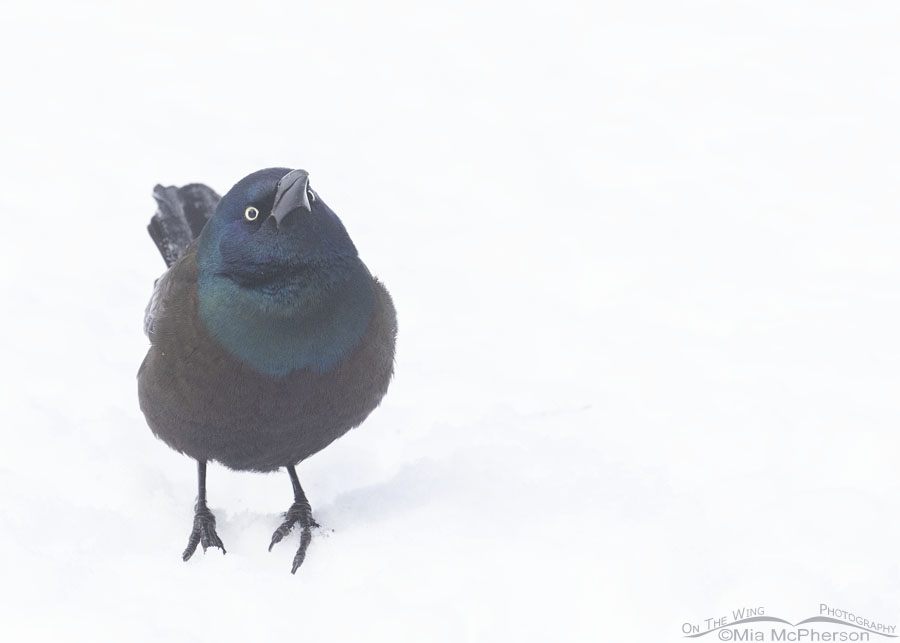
<point>645,262</point>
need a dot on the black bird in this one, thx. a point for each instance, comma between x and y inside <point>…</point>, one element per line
<point>269,337</point>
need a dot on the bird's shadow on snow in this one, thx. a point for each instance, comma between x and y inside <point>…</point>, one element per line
<point>413,486</point>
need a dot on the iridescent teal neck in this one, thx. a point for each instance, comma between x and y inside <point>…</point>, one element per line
<point>313,323</point>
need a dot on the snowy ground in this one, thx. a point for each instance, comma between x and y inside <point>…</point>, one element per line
<point>645,257</point>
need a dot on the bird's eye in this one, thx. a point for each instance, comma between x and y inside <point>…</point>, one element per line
<point>251,213</point>
<point>312,195</point>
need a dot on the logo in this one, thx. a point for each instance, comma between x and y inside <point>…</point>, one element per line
<point>753,624</point>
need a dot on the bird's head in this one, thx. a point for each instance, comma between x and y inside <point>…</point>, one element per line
<point>271,231</point>
<point>281,285</point>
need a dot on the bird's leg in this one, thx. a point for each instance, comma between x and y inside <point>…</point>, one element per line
<point>299,513</point>
<point>204,531</point>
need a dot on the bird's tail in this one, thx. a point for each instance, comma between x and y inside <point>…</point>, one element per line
<point>180,215</point>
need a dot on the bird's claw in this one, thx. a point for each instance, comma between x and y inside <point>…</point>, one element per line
<point>300,513</point>
<point>203,533</point>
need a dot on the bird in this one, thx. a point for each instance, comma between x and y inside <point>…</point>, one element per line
<point>269,337</point>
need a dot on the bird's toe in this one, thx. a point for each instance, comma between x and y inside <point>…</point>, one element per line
<point>305,539</point>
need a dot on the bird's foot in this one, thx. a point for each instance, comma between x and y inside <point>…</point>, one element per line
<point>203,533</point>
<point>300,513</point>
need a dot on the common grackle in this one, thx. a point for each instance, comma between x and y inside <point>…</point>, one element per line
<point>269,337</point>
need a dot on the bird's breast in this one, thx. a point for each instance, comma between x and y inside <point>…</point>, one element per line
<point>281,328</point>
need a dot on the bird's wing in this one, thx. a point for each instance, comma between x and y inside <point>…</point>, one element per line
<point>172,295</point>
<point>180,216</point>
<point>157,302</point>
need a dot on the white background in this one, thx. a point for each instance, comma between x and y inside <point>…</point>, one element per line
<point>645,257</point>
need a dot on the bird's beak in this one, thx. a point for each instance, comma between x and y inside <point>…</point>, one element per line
<point>291,194</point>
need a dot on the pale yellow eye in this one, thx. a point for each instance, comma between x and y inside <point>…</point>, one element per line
<point>251,213</point>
